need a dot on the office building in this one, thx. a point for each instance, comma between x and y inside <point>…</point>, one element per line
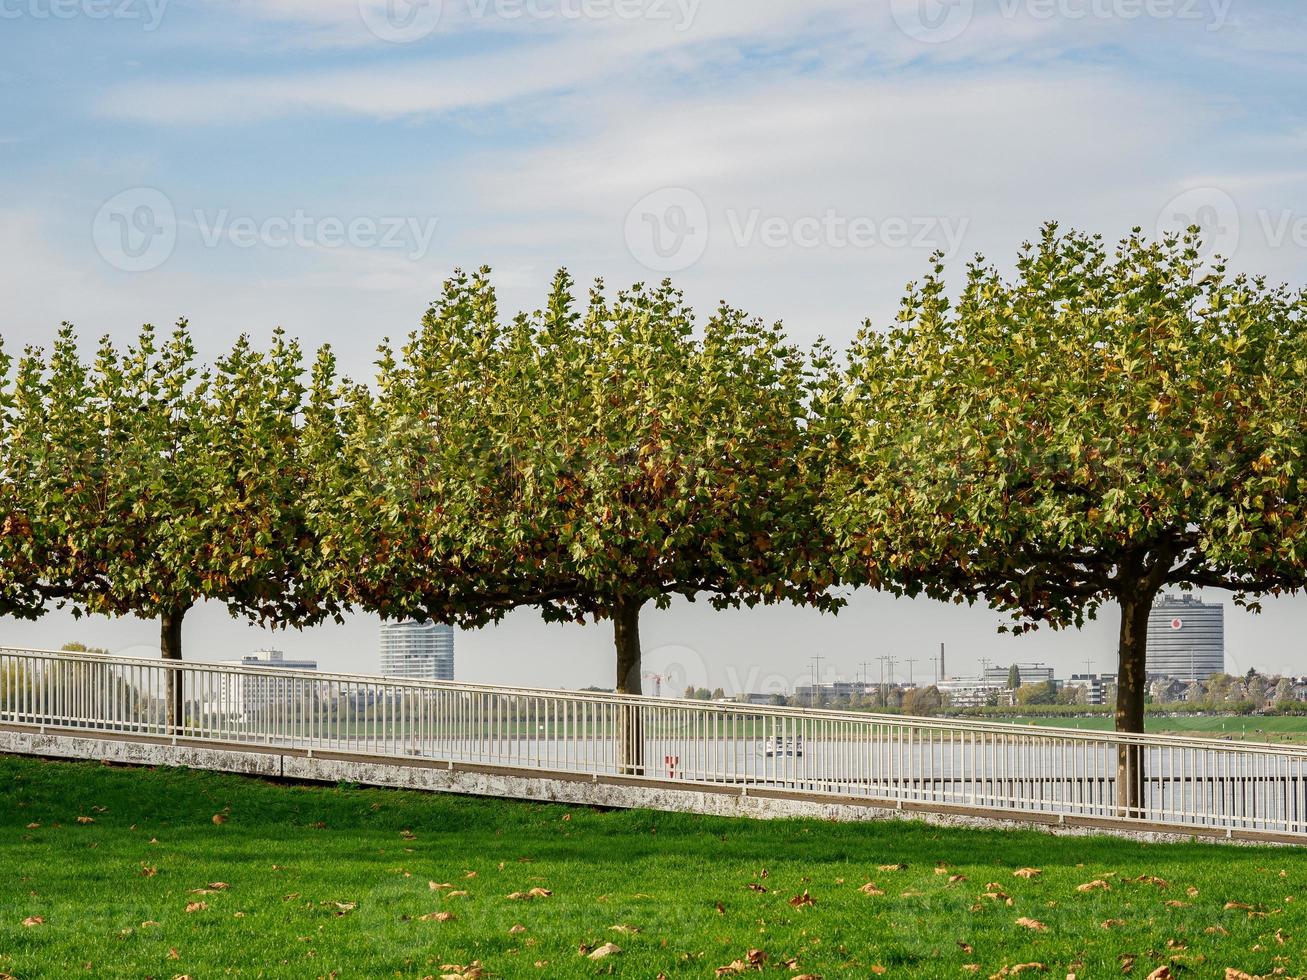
<point>417,651</point>
<point>1030,674</point>
<point>1186,638</point>
<point>247,694</point>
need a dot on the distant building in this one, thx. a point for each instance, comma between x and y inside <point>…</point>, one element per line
<point>1099,688</point>
<point>1186,638</point>
<point>970,692</point>
<point>417,651</point>
<point>248,693</point>
<point>1030,674</point>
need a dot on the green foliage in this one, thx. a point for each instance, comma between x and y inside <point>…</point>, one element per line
<point>584,462</point>
<point>146,483</point>
<point>1094,428</point>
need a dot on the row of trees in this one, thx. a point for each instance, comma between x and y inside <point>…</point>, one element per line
<point>1094,428</point>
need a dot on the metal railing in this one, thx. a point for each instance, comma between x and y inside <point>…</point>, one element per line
<point>1184,782</point>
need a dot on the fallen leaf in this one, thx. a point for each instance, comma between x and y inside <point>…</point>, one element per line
<point>1161,973</point>
<point>219,886</point>
<point>219,818</point>
<point>798,901</point>
<point>148,870</point>
<point>436,917</point>
<point>753,886</point>
<point>435,886</point>
<point>33,826</point>
<point>870,889</point>
<point>1034,924</point>
<point>539,892</point>
<point>515,930</point>
<point>1098,884</point>
<point>196,906</point>
<point>34,920</point>
<point>1217,931</point>
<point>1113,923</point>
<point>1026,873</point>
<point>956,879</point>
<point>86,819</point>
<point>1152,880</point>
<point>607,949</point>
<point>893,867</point>
<point>624,929</point>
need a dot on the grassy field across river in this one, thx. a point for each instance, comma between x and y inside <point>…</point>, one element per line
<point>120,872</point>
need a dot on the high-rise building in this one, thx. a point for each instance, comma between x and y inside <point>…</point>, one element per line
<point>1186,638</point>
<point>417,651</point>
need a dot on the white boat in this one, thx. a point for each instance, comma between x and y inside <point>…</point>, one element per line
<point>783,745</point>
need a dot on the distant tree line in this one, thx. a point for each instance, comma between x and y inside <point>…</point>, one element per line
<point>1090,429</point>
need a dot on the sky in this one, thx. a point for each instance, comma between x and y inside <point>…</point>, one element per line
<point>322,165</point>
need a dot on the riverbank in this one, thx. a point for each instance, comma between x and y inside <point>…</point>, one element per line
<point>127,870</point>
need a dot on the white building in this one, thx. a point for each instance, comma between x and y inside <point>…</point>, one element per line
<point>417,651</point>
<point>969,692</point>
<point>245,694</point>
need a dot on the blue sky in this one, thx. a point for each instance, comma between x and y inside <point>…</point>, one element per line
<point>322,164</point>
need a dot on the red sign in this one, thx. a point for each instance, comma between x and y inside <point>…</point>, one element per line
<point>1177,624</point>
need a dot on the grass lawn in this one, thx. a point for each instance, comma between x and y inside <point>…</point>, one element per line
<point>129,875</point>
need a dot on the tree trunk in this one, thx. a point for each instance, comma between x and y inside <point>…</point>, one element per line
<point>1131,681</point>
<point>630,728</point>
<point>170,642</point>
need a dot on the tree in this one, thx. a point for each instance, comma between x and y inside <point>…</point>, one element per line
<point>1089,431</point>
<point>1013,677</point>
<point>1045,692</point>
<point>590,464</point>
<point>155,485</point>
<point>924,701</point>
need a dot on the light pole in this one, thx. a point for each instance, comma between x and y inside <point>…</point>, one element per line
<point>816,676</point>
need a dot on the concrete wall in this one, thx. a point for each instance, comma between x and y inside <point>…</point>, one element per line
<point>604,791</point>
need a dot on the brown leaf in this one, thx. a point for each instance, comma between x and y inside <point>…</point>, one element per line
<point>86,820</point>
<point>539,892</point>
<point>966,947</point>
<point>219,818</point>
<point>1098,884</point>
<point>798,901</point>
<point>437,917</point>
<point>870,889</point>
<point>1152,880</point>
<point>1113,923</point>
<point>34,920</point>
<point>956,879</point>
<point>1027,873</point>
<point>148,870</point>
<point>515,930</point>
<point>33,826</point>
<point>1034,924</point>
<point>607,949</point>
<point>735,966</point>
<point>1161,973</point>
<point>196,906</point>
<point>624,929</point>
<point>219,886</point>
<point>1217,931</point>
<point>753,886</point>
<point>893,867</point>
<point>435,886</point>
